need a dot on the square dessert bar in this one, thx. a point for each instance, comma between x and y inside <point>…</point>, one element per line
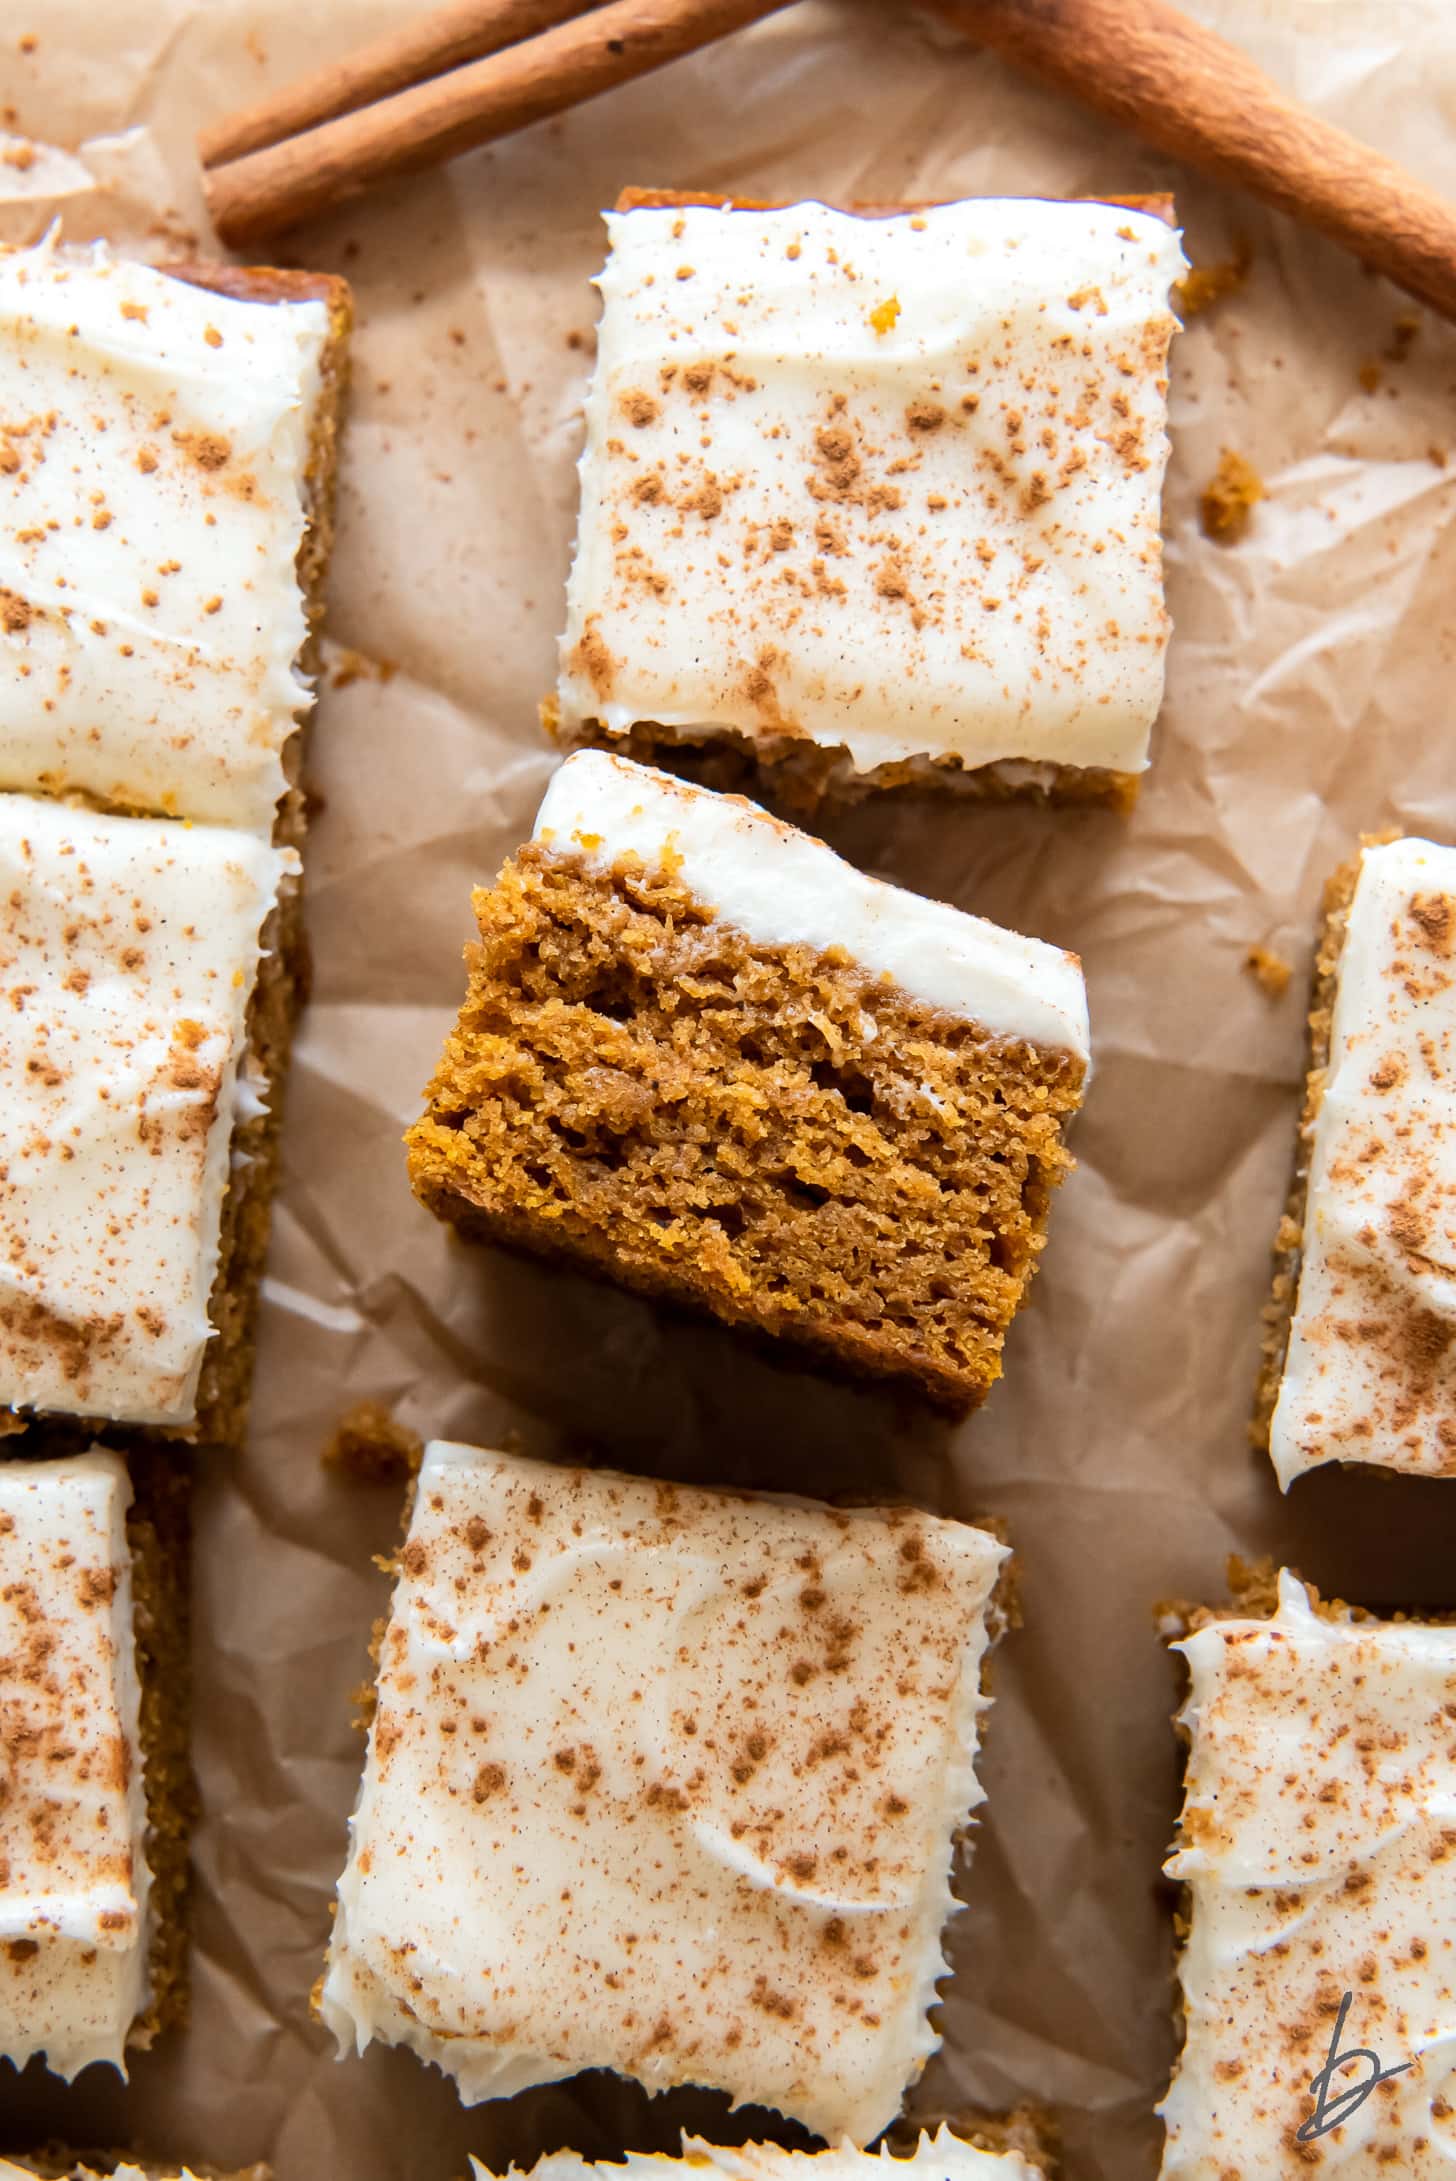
<point>167,451</point>
<point>666,1781</point>
<point>140,1032</point>
<point>943,2156</point>
<point>1316,1851</point>
<point>1359,1362</point>
<point>704,1056</point>
<point>876,498</point>
<point>60,2165</point>
<point>98,1802</point>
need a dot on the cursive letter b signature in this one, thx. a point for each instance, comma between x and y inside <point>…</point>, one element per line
<point>1331,2105</point>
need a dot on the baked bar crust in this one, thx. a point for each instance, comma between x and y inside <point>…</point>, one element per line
<point>159,1530</point>
<point>283,976</point>
<point>1278,1311</point>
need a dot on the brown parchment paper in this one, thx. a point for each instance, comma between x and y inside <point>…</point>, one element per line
<point>1310,695</point>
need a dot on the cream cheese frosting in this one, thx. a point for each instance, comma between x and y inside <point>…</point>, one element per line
<point>938,2157</point>
<point>128,951</point>
<point>1318,1833</point>
<point>891,485</point>
<point>666,1781</point>
<point>73,1873</point>
<point>153,445</point>
<point>783,888</point>
<point>124,2172</point>
<point>1370,1374</point>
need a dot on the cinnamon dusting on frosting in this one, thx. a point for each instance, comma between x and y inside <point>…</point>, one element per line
<point>1317,1824</point>
<point>73,1879</point>
<point>1008,406</point>
<point>625,1696</point>
<point>1371,1374</point>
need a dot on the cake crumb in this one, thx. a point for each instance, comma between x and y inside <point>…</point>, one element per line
<point>371,1446</point>
<point>1204,285</point>
<point>883,316</point>
<point>1229,499</point>
<point>1270,972</point>
<point>1403,336</point>
<point>357,666</point>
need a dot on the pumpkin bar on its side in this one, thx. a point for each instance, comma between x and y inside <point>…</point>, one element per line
<point>702,1055</point>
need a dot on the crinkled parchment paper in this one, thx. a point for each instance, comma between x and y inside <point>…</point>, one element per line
<point>1310,696</point>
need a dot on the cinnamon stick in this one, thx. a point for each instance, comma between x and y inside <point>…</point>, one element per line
<point>284,183</point>
<point>1145,65</point>
<point>446,37</point>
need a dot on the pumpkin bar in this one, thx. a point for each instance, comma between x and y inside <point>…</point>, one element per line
<point>60,2165</point>
<point>168,444</point>
<point>1359,1363</point>
<point>167,456</point>
<point>1314,1852</point>
<point>874,498</point>
<point>703,1056</point>
<point>98,1806</point>
<point>666,1781</point>
<point>943,2156</point>
<point>139,1047</point>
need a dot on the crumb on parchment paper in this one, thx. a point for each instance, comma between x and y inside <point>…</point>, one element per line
<point>1204,285</point>
<point>356,666</point>
<point>1270,972</point>
<point>369,1445</point>
<point>1229,499</point>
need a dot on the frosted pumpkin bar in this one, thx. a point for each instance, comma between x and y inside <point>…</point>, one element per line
<point>702,1055</point>
<point>61,2165</point>
<point>143,1030</point>
<point>167,454</point>
<point>1359,1361</point>
<point>869,499</point>
<point>97,1801</point>
<point>943,2156</point>
<point>1316,1852</point>
<point>666,1781</point>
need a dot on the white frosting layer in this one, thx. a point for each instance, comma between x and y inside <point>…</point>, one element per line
<point>888,484</point>
<point>1371,1369</point>
<point>153,441</point>
<point>1319,1833</point>
<point>128,950</point>
<point>941,2157</point>
<point>783,888</point>
<point>664,1781</point>
<point>73,1875</point>
<point>82,2172</point>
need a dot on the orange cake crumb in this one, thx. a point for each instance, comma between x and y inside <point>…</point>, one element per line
<point>1269,971</point>
<point>1229,499</point>
<point>369,1444</point>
